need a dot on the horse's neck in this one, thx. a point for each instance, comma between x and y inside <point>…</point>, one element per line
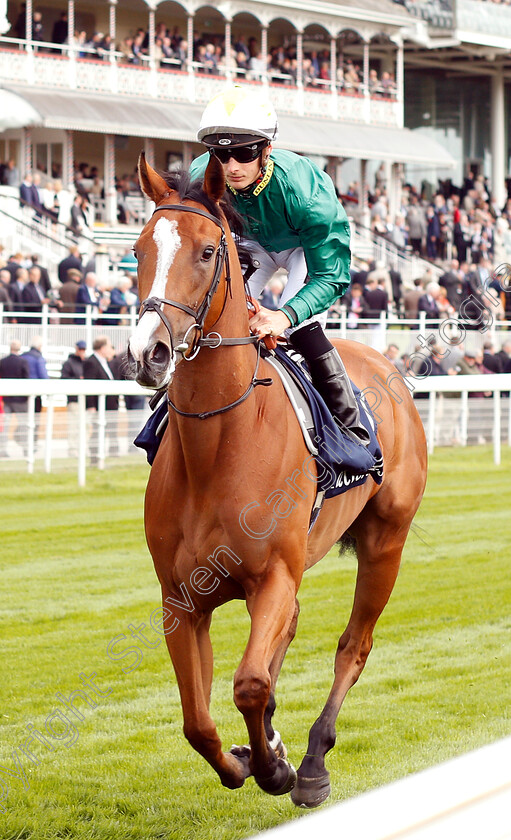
<point>214,379</point>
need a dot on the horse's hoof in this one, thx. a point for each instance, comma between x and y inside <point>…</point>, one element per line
<point>243,756</point>
<point>309,793</point>
<point>274,785</point>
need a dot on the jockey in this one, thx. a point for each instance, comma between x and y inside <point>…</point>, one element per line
<point>293,220</point>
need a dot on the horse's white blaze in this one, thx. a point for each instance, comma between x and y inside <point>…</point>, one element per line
<point>168,241</point>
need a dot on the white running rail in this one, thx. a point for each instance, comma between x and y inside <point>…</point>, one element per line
<point>467,798</point>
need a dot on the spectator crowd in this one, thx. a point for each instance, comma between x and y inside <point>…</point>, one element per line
<point>170,50</point>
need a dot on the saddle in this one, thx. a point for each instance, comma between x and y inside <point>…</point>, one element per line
<point>341,463</point>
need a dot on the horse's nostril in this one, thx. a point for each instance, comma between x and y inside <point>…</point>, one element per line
<point>160,353</point>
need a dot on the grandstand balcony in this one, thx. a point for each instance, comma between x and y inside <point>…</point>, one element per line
<point>24,63</point>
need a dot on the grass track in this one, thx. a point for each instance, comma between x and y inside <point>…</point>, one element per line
<point>75,572</point>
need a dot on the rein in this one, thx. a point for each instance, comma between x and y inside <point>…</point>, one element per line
<point>213,339</point>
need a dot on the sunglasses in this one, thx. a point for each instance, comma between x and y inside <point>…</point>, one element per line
<point>241,154</point>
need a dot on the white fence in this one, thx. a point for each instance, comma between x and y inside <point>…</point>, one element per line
<point>78,433</point>
<point>467,798</point>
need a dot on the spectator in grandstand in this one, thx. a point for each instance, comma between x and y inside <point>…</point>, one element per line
<point>14,367</point>
<point>411,301</point>
<point>33,297</point>
<point>97,366</point>
<point>491,360</point>
<point>435,364</point>
<point>36,363</point>
<point>69,291</point>
<point>88,295</point>
<point>398,233</point>
<point>79,221</point>
<point>392,353</point>
<point>375,296</point>
<point>19,27</point>
<point>37,370</point>
<point>270,296</point>
<point>462,237</point>
<point>351,77</point>
<point>133,402</point>
<point>73,260</point>
<point>10,175</point>
<point>257,67</point>
<point>37,202</point>
<point>26,195</point>
<point>121,298</point>
<point>445,308</point>
<point>5,297</point>
<point>60,29</point>
<point>45,277</point>
<point>37,26</point>
<point>505,357</point>
<point>73,369</point>
<point>416,221</point>
<point>428,302</point>
<point>452,281</point>
<point>356,305</point>
<point>16,287</point>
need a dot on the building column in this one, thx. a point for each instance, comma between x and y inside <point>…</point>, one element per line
<point>400,83</point>
<point>71,54</point>
<point>264,52</point>
<point>365,83</point>
<point>28,22</point>
<point>228,49</point>
<point>109,181</point>
<point>4,23</point>
<point>363,203</point>
<point>112,26</point>
<point>68,162</point>
<point>187,156</point>
<point>299,59</point>
<point>333,65</point>
<point>498,139</point>
<point>26,151</point>
<point>151,31</point>
<point>189,38</point>
<point>71,22</point>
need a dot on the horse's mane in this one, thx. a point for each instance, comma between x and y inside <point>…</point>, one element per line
<point>180,181</point>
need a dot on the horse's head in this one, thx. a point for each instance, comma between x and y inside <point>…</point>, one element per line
<point>181,255</point>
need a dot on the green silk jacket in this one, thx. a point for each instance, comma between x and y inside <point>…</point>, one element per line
<point>295,206</point>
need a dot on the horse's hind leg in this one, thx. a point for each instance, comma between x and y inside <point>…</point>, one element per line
<point>379,548</point>
<point>190,650</point>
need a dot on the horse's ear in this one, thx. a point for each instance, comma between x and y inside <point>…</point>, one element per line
<point>152,184</point>
<point>214,179</point>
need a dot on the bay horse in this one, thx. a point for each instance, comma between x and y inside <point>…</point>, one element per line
<point>228,502</point>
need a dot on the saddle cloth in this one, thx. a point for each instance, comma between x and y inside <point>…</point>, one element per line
<point>341,462</point>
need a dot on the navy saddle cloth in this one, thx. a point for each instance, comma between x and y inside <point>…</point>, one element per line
<point>341,462</point>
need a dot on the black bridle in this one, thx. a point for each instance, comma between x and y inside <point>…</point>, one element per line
<point>213,339</point>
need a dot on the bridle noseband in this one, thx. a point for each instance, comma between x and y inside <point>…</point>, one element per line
<point>213,339</point>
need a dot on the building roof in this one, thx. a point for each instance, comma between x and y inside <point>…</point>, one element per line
<point>140,117</point>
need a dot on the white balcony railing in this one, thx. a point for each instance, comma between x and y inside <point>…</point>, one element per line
<point>63,67</point>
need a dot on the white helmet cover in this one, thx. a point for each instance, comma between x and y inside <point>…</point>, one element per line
<point>239,110</point>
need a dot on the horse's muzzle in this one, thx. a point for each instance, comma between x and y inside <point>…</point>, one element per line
<point>156,368</point>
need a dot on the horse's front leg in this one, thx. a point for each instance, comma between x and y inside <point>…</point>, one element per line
<point>190,650</point>
<point>272,606</point>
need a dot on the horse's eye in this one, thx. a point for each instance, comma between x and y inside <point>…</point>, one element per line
<point>207,253</point>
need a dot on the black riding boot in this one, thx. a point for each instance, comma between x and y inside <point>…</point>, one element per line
<point>330,378</point>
